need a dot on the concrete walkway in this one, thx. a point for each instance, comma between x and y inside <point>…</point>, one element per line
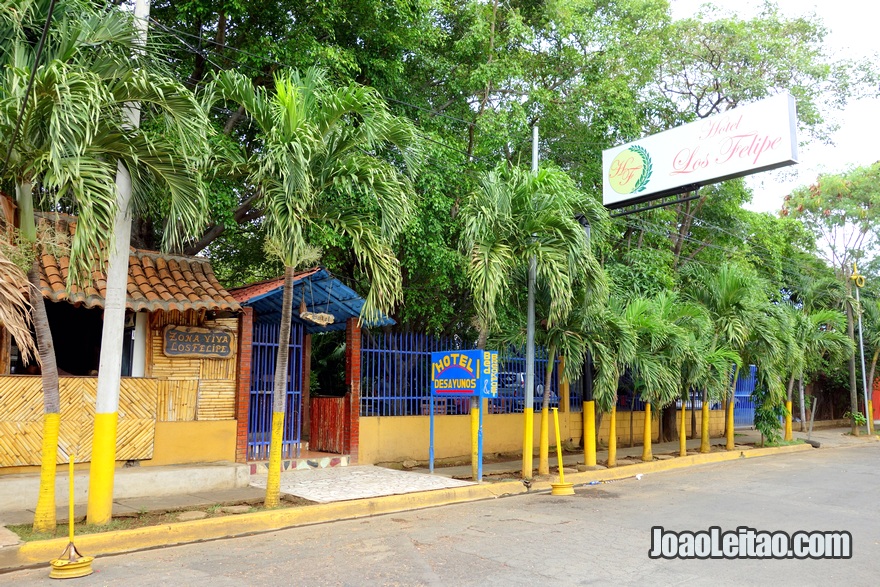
<point>626,455</point>
<point>357,482</point>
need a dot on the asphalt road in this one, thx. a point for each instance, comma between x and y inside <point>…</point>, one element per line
<point>599,536</point>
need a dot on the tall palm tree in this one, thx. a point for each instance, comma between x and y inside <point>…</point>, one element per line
<point>514,216</point>
<point>612,346</point>
<point>72,136</point>
<point>319,170</point>
<point>815,335</point>
<point>734,300</point>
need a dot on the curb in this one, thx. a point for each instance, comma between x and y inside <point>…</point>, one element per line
<point>39,552</point>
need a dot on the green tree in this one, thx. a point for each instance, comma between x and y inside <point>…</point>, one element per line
<point>515,216</point>
<point>843,212</point>
<point>320,172</point>
<point>64,157</point>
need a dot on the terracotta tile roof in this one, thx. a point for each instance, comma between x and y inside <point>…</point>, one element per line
<point>156,281</point>
<point>248,292</point>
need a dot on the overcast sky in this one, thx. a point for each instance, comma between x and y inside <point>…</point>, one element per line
<point>852,32</point>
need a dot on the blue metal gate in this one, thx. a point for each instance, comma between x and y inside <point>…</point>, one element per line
<point>744,408</point>
<point>264,352</point>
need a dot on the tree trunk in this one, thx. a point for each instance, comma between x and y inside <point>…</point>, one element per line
<point>632,407</point>
<point>704,424</point>
<point>44,515</point>
<point>669,424</point>
<point>853,394</point>
<point>647,455</point>
<point>612,438</point>
<point>693,413</point>
<point>279,394</point>
<point>731,402</point>
<point>803,407</point>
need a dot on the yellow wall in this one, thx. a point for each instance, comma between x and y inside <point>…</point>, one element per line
<point>398,438</point>
<point>193,442</point>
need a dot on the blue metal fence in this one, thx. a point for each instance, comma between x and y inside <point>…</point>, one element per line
<point>264,352</point>
<point>396,376</point>
<point>744,408</point>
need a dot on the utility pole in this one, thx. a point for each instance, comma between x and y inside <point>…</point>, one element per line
<point>103,463</point>
<point>529,409</point>
<point>859,282</point>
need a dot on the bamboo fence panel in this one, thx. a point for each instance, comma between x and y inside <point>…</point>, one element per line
<point>216,400</point>
<point>177,400</point>
<point>21,419</point>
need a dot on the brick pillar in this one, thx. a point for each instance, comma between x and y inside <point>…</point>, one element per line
<point>307,380</point>
<point>353,381</point>
<point>243,392</point>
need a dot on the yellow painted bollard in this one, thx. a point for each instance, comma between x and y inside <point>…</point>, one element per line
<point>561,488</point>
<point>590,433</point>
<point>787,420</point>
<point>647,455</point>
<point>71,563</point>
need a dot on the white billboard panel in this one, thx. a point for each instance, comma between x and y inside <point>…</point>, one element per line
<point>748,139</point>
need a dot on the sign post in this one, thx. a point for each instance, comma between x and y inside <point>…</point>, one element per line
<point>472,374</point>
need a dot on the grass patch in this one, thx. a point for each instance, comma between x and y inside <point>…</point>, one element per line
<point>786,442</point>
<point>143,519</point>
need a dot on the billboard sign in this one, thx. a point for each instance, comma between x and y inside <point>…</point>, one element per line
<point>745,140</point>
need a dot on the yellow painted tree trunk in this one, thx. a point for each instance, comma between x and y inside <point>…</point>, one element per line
<point>682,435</point>
<point>612,438</point>
<point>279,394</point>
<point>787,420</point>
<point>647,455</point>
<point>704,426</point>
<point>590,433</point>
<point>730,405</point>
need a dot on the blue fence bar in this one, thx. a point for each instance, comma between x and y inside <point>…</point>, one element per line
<point>396,376</point>
<point>263,356</point>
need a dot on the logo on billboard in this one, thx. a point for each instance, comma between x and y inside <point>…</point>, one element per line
<point>630,170</point>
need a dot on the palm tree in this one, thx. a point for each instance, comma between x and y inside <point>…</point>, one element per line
<point>612,346</point>
<point>514,216</point>
<point>815,335</point>
<point>72,136</point>
<point>319,171</point>
<point>15,312</point>
<point>733,299</point>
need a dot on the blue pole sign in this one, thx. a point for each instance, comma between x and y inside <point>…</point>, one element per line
<point>463,374</point>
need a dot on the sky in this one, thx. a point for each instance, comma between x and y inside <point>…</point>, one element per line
<point>852,33</point>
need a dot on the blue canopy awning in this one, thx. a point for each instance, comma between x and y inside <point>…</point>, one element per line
<point>321,292</point>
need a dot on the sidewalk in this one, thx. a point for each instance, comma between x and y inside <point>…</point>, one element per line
<point>357,491</point>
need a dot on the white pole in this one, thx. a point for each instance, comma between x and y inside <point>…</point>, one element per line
<point>100,503</point>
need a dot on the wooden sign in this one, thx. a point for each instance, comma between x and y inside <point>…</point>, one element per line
<point>189,341</point>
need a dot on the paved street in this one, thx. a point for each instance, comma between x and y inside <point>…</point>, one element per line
<point>600,536</point>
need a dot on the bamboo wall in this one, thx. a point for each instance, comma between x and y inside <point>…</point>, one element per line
<point>192,388</point>
<point>21,427</point>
